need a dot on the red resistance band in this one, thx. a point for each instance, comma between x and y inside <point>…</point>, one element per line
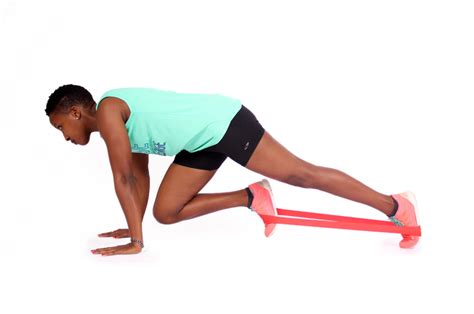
<point>338,222</point>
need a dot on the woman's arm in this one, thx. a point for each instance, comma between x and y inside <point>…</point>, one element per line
<point>112,130</point>
<point>140,169</point>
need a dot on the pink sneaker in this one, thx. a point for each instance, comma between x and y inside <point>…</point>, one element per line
<point>406,216</point>
<point>263,202</point>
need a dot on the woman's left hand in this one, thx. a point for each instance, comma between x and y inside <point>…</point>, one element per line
<point>129,248</point>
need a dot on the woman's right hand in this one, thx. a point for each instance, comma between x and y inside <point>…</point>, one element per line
<point>119,233</point>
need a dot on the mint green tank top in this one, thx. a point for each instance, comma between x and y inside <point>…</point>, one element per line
<point>166,122</point>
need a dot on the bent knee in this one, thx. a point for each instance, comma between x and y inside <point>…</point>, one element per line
<point>165,217</point>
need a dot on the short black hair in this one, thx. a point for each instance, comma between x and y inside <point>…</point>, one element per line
<point>67,95</point>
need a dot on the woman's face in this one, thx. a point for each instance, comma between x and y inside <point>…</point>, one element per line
<point>71,125</point>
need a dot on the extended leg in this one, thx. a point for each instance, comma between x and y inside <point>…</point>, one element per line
<point>273,160</point>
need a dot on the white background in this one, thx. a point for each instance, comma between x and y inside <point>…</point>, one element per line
<point>381,90</point>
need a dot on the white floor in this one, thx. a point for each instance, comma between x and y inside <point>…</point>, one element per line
<point>222,262</point>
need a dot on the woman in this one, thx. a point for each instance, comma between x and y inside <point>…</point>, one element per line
<point>201,131</point>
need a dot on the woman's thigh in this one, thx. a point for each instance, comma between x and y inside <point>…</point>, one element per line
<point>179,185</point>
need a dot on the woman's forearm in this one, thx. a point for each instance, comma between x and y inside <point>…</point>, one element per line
<point>143,183</point>
<point>128,194</point>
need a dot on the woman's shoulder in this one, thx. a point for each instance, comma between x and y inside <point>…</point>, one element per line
<point>110,105</point>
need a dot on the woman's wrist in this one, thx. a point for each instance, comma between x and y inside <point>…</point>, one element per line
<point>137,242</point>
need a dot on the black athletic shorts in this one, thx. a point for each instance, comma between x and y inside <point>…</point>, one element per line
<point>239,142</point>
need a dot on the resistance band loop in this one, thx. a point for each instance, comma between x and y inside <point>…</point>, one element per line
<point>338,222</point>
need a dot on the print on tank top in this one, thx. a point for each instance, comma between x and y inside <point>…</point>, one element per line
<point>159,149</point>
